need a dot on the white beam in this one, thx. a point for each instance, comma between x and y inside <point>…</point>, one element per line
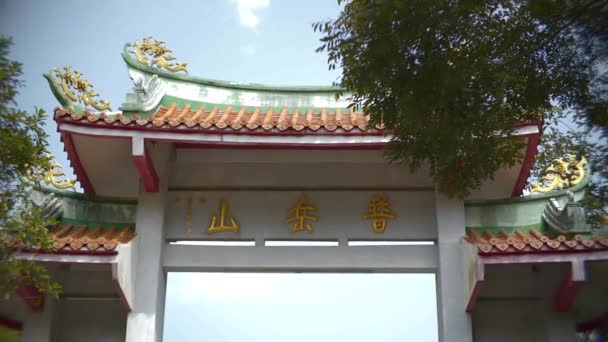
<point>300,258</point>
<point>67,258</point>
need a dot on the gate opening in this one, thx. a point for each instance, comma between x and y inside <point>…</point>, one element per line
<point>300,307</point>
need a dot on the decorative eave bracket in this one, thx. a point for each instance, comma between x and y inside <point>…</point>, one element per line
<point>570,286</point>
<point>144,164</point>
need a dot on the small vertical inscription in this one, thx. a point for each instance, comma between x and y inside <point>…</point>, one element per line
<point>189,215</point>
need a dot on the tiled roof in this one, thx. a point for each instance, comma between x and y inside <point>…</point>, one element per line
<point>85,239</point>
<point>234,119</point>
<point>90,239</point>
<point>532,242</point>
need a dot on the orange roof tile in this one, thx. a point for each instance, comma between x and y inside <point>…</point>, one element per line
<point>90,239</point>
<point>84,239</point>
<point>532,242</point>
<point>237,120</point>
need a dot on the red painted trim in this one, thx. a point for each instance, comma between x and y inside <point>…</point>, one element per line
<point>73,252</point>
<point>185,144</point>
<point>95,253</point>
<point>101,136</point>
<point>538,123</point>
<point>600,321</point>
<point>32,297</point>
<point>216,131</point>
<point>536,252</point>
<point>474,296</point>
<point>280,146</point>
<point>197,129</point>
<point>566,294</point>
<point>526,166</point>
<point>79,170</point>
<point>146,169</point>
<point>11,323</point>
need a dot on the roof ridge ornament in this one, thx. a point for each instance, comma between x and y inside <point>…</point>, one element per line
<point>53,174</point>
<point>156,54</point>
<point>562,174</point>
<point>78,89</point>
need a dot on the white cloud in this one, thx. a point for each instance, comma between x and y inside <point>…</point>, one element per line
<point>247,11</point>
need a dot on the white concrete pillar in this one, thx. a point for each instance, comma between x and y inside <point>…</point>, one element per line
<point>454,322</point>
<point>145,321</point>
<point>36,324</point>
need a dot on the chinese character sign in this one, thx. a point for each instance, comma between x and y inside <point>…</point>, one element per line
<point>218,222</point>
<point>379,212</point>
<point>301,215</point>
<point>314,214</point>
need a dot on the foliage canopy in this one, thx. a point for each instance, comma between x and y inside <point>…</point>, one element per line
<point>448,77</point>
<point>24,153</point>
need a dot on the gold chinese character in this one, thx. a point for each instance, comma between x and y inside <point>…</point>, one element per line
<point>216,227</point>
<point>300,215</point>
<point>379,212</point>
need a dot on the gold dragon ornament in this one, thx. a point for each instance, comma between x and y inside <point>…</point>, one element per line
<point>72,84</point>
<point>156,54</point>
<point>562,174</point>
<point>53,175</point>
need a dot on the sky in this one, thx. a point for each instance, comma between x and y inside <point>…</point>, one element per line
<point>255,41</point>
<point>300,307</point>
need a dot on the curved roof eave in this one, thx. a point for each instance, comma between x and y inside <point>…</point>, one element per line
<point>132,62</point>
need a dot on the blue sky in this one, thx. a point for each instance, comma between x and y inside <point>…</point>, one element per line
<point>256,41</point>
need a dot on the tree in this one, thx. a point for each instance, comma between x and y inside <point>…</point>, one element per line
<point>24,153</point>
<point>563,136</point>
<point>582,132</point>
<point>447,77</point>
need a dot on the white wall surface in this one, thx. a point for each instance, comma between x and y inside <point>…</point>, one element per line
<point>89,321</point>
<point>508,321</point>
<point>296,175</point>
<point>313,169</point>
<point>125,271</point>
<point>108,164</point>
